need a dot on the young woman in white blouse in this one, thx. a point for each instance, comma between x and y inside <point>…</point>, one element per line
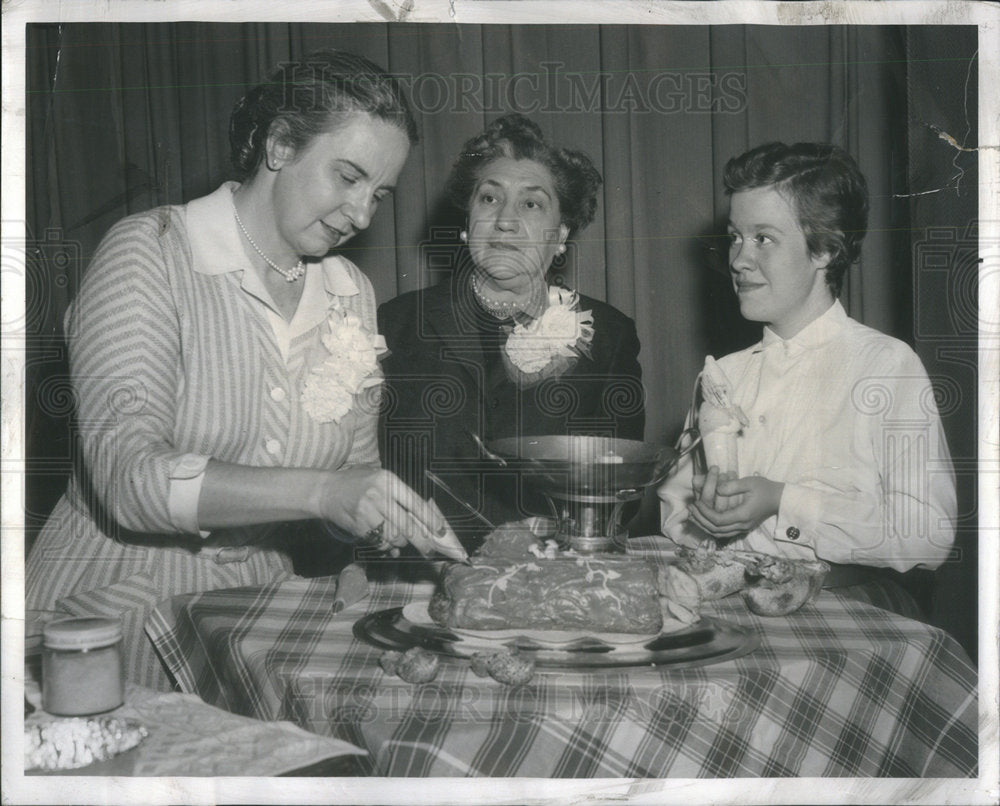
<point>841,455</point>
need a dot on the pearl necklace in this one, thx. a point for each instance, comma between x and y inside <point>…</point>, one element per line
<point>495,308</point>
<point>290,275</point>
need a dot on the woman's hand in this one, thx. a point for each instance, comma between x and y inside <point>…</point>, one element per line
<point>706,489</point>
<point>365,499</point>
<point>732,507</point>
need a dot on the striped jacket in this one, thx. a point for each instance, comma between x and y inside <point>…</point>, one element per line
<point>174,359</point>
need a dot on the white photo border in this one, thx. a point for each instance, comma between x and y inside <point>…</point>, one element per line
<point>19,789</point>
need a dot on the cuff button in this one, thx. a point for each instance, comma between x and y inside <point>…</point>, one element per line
<point>792,532</point>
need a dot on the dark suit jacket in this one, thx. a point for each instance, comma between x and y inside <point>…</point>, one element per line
<point>445,379</point>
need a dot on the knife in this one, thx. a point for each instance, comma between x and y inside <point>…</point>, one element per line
<point>449,547</point>
<point>445,541</point>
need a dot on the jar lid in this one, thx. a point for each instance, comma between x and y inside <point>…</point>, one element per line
<point>85,632</point>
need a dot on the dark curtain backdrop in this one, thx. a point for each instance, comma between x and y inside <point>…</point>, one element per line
<point>124,117</point>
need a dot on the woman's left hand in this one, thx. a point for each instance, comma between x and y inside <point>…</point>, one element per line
<point>732,507</point>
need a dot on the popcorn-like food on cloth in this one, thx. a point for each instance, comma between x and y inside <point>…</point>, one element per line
<point>510,668</point>
<point>501,590</point>
<point>66,744</point>
<point>784,585</point>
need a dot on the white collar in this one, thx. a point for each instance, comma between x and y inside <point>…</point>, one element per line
<point>818,332</point>
<point>217,245</point>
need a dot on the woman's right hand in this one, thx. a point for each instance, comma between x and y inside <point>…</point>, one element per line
<point>365,499</point>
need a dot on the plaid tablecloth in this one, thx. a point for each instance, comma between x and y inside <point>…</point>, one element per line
<point>838,689</point>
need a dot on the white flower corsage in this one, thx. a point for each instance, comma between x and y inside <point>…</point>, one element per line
<point>351,366</point>
<point>553,340</point>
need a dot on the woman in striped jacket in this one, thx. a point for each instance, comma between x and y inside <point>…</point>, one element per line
<point>225,365</point>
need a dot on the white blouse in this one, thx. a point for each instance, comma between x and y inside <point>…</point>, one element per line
<point>845,416</point>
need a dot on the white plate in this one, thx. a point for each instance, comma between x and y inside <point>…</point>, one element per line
<point>416,613</point>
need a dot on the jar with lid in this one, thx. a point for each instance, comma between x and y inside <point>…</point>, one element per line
<point>82,666</point>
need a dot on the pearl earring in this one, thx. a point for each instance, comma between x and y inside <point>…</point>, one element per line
<point>463,236</point>
<point>561,249</point>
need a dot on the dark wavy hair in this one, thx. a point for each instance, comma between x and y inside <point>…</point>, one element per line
<point>827,189</point>
<point>515,136</point>
<point>302,99</point>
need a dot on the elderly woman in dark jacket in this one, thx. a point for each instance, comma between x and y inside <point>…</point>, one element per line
<point>495,350</point>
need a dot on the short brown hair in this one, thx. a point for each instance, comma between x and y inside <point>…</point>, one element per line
<point>309,97</point>
<point>827,189</point>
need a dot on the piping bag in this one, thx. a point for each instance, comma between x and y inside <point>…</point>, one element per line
<point>352,586</point>
<point>719,420</point>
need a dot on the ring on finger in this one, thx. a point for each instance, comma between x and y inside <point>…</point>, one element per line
<point>376,537</point>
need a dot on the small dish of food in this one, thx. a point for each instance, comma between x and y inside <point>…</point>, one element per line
<point>770,586</point>
<point>781,586</point>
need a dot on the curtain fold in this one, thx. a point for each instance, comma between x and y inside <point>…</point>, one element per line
<point>941,271</point>
<point>124,117</point>
<point>140,113</point>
